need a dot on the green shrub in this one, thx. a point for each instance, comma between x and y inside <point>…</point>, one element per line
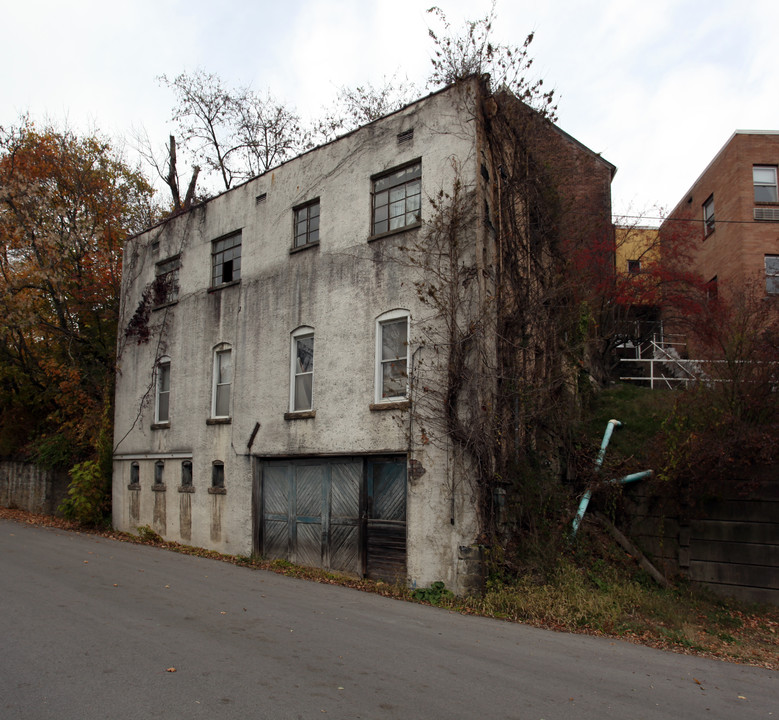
<point>87,501</point>
<point>434,594</point>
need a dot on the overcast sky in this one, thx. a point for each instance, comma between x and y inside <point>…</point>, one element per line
<point>657,87</point>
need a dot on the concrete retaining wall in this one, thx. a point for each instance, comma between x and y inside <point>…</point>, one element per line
<point>29,487</point>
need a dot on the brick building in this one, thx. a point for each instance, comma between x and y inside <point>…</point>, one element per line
<point>731,214</point>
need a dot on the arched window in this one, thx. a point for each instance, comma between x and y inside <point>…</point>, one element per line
<point>392,356</point>
<point>301,385</point>
<point>162,395</point>
<point>217,474</point>
<point>186,473</point>
<point>135,474</point>
<point>223,380</point>
<point>159,471</point>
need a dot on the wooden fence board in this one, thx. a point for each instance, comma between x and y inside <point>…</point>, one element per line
<point>736,531</point>
<point>731,552</point>
<point>733,574</point>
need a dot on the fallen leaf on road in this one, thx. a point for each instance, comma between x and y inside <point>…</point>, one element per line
<point>116,584</point>
<point>741,697</point>
<point>171,670</point>
<point>697,682</point>
<point>222,612</point>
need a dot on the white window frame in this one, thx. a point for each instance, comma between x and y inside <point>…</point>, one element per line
<point>763,184</point>
<point>219,352</point>
<point>162,364</point>
<point>385,319</point>
<point>302,333</point>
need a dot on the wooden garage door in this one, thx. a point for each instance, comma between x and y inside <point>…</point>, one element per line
<point>311,512</point>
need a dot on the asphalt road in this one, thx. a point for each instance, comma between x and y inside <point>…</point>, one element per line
<point>89,628</point>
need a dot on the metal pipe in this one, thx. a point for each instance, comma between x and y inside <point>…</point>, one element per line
<point>612,424</point>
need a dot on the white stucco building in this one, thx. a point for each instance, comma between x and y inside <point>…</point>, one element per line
<point>275,344</point>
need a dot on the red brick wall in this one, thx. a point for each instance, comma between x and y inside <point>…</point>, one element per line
<point>734,251</point>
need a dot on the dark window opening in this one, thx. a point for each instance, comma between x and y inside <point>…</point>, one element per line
<point>218,475</point>
<point>186,473</point>
<point>226,260</point>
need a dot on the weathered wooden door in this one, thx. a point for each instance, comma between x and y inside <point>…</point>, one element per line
<point>310,512</point>
<point>385,531</point>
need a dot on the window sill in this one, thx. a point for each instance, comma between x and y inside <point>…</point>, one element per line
<point>217,491</point>
<point>300,415</point>
<point>134,486</point>
<point>219,421</point>
<point>158,487</point>
<point>396,405</point>
<point>397,231</point>
<point>217,288</point>
<point>186,489</point>
<point>307,246</point>
<point>160,426</point>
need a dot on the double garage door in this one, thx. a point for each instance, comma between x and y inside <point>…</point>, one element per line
<point>345,514</point>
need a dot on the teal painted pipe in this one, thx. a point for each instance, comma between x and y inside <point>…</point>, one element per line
<point>585,501</point>
<point>610,427</point>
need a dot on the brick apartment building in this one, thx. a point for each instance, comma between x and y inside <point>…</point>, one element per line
<point>731,214</point>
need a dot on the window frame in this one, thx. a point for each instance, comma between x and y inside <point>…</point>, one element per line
<point>220,248</point>
<point>634,267</point>
<point>708,216</point>
<point>163,364</point>
<point>772,277</point>
<point>772,185</point>
<point>377,189</point>
<point>219,352</point>
<point>391,317</point>
<point>296,221</point>
<point>135,474</point>
<point>302,333</point>
<point>166,281</point>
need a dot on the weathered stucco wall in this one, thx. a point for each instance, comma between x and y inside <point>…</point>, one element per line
<point>339,288</point>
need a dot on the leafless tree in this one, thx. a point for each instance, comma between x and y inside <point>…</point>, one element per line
<point>361,105</point>
<point>472,51</point>
<point>236,133</point>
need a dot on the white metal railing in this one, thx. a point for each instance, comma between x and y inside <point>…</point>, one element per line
<point>666,367</point>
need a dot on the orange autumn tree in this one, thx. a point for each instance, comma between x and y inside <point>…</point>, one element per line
<point>66,205</point>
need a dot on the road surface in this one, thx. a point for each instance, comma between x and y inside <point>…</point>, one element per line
<point>90,628</point>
